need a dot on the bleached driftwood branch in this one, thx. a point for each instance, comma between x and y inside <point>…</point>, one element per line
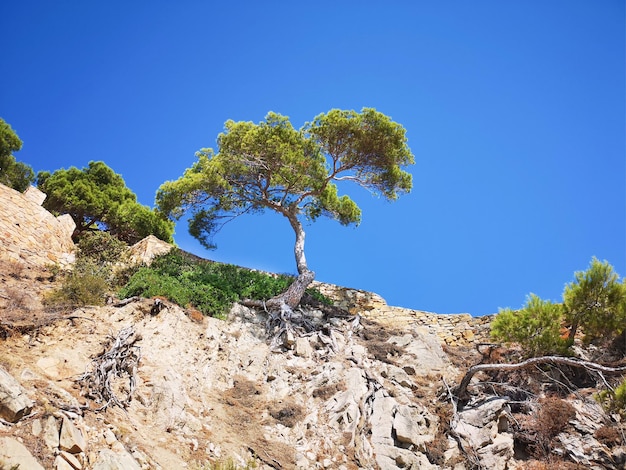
<point>120,360</point>
<point>461,391</point>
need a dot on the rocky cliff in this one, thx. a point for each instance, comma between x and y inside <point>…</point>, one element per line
<point>30,234</point>
<point>128,386</point>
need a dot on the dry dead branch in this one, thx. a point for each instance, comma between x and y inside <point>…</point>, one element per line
<point>118,361</point>
<point>461,391</point>
<point>121,303</point>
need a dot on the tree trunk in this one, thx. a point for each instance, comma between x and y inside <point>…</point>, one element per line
<point>292,296</point>
<point>294,293</point>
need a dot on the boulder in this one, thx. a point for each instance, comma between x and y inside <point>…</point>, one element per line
<point>71,439</point>
<point>51,433</point>
<point>14,403</point>
<point>13,454</point>
<point>413,426</point>
<point>115,460</point>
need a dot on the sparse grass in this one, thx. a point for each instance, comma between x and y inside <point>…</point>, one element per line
<point>13,268</point>
<point>16,300</point>
<point>324,392</point>
<point>383,351</point>
<point>228,464</point>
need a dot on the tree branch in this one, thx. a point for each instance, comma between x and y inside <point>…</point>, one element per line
<point>461,390</point>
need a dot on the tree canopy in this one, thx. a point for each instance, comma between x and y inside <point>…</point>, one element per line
<point>273,166</point>
<point>596,300</point>
<point>16,175</point>
<point>97,198</point>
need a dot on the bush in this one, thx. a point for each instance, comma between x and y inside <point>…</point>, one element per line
<point>86,284</point>
<point>536,327</point>
<point>210,287</point>
<point>102,247</point>
<point>551,419</point>
<point>614,400</point>
<point>596,301</point>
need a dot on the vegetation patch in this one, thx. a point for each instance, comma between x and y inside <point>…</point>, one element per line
<point>287,414</point>
<point>207,286</point>
<point>86,284</point>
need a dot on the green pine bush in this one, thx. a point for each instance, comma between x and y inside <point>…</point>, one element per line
<point>536,327</point>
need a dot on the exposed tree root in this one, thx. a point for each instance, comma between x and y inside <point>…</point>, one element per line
<point>120,360</point>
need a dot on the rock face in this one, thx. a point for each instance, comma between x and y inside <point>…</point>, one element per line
<point>144,251</point>
<point>14,402</point>
<point>14,454</point>
<point>30,234</point>
<point>216,390</point>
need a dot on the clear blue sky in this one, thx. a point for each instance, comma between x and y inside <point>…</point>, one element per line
<point>514,110</point>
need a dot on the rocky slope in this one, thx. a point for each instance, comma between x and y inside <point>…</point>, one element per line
<point>370,386</point>
<point>353,394</point>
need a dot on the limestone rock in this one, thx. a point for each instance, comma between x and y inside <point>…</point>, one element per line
<point>480,428</point>
<point>496,455</point>
<point>71,459</point>
<point>397,374</point>
<point>144,251</point>
<point>413,426</point>
<point>62,464</point>
<point>14,454</point>
<point>14,403</point>
<point>71,438</point>
<point>303,348</point>
<point>51,433</point>
<point>111,460</point>
<point>36,427</point>
<point>30,233</point>
<point>382,419</point>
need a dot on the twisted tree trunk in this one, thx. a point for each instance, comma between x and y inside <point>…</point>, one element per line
<point>292,296</point>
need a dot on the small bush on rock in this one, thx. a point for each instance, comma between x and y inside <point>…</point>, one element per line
<point>536,327</point>
<point>86,284</point>
<point>102,247</point>
<point>551,419</point>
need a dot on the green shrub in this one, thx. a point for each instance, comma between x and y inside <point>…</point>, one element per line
<point>536,327</point>
<point>614,400</point>
<point>102,247</point>
<point>596,301</point>
<point>86,284</point>
<point>210,287</point>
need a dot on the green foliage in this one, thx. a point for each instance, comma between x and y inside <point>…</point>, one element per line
<point>16,175</point>
<point>97,199</point>
<point>596,301</point>
<point>86,284</point>
<point>210,287</point>
<point>102,247</point>
<point>228,464</point>
<point>271,165</point>
<point>614,400</point>
<point>535,327</point>
<point>94,274</point>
